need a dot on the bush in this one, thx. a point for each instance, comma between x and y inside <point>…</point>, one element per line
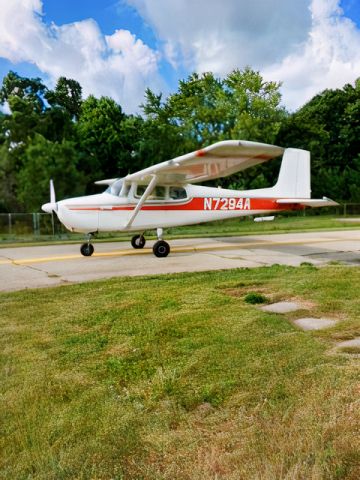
<point>254,298</point>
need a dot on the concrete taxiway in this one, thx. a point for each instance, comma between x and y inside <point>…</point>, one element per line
<point>30,267</point>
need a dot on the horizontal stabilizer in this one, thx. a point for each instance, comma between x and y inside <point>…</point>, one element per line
<point>309,202</point>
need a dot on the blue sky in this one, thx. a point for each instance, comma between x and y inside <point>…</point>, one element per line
<point>120,47</point>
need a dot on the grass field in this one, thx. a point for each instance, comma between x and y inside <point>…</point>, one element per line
<point>177,377</point>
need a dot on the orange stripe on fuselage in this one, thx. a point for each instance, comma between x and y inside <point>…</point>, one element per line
<point>198,203</point>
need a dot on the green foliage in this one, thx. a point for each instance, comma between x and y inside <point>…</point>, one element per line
<point>98,130</point>
<point>30,90</point>
<point>37,142</point>
<point>254,298</point>
<point>8,172</point>
<point>44,160</point>
<point>328,126</point>
<point>67,95</point>
<point>207,109</point>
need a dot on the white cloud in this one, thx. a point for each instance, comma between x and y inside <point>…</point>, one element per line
<point>221,35</point>
<point>308,45</point>
<point>117,65</point>
<point>329,58</point>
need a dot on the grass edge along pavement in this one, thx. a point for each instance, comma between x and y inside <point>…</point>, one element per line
<point>176,376</point>
<point>237,226</point>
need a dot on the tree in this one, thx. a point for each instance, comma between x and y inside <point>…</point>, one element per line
<point>67,95</point>
<point>328,125</point>
<point>44,160</point>
<point>8,180</point>
<point>254,106</point>
<point>30,117</point>
<point>100,140</point>
<point>31,90</point>
<point>207,109</point>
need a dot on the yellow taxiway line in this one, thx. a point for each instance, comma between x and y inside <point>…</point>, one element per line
<point>180,249</point>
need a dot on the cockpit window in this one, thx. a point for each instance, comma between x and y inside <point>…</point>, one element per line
<point>176,193</point>
<point>115,187</point>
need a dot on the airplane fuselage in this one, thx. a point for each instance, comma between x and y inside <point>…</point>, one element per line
<point>106,212</point>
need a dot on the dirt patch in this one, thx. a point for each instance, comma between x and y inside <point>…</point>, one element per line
<point>242,291</point>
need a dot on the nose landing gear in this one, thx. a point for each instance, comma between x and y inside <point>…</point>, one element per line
<point>138,241</point>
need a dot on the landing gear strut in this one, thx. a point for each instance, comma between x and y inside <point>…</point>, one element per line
<point>161,248</point>
<point>87,249</point>
<point>138,241</point>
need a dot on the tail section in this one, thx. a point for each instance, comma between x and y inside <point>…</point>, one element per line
<point>293,185</point>
<point>294,176</point>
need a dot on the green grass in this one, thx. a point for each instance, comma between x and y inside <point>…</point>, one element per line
<point>238,226</point>
<point>177,377</point>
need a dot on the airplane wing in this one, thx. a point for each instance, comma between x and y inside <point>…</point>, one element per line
<point>108,181</point>
<point>218,160</point>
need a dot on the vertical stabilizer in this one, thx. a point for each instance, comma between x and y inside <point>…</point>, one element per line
<point>294,176</point>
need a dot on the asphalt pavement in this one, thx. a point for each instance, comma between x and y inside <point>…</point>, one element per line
<point>43,266</point>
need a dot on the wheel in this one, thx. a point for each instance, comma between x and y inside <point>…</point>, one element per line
<point>138,241</point>
<point>87,249</point>
<point>161,248</point>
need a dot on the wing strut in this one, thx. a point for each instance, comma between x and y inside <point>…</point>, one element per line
<point>140,203</point>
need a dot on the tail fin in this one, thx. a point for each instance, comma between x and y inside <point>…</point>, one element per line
<point>294,176</point>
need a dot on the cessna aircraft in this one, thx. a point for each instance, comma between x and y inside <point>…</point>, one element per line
<point>164,195</point>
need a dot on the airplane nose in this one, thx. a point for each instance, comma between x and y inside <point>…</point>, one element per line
<point>49,207</point>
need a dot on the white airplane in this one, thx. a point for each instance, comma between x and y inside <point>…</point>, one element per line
<point>164,195</point>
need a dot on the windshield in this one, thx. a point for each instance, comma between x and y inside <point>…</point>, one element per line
<point>115,187</point>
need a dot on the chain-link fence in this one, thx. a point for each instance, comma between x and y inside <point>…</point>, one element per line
<point>42,226</point>
<point>30,225</point>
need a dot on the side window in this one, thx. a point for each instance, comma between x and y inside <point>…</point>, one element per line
<point>158,193</point>
<point>176,193</point>
<point>140,190</point>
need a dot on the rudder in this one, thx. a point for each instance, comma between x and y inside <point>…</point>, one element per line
<point>294,175</point>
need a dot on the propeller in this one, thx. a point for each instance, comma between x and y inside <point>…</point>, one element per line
<point>52,206</point>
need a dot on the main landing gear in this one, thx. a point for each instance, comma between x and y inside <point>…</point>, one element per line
<point>160,248</point>
<point>87,249</point>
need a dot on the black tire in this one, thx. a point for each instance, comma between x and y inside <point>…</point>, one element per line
<point>87,249</point>
<point>161,249</point>
<point>138,241</point>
